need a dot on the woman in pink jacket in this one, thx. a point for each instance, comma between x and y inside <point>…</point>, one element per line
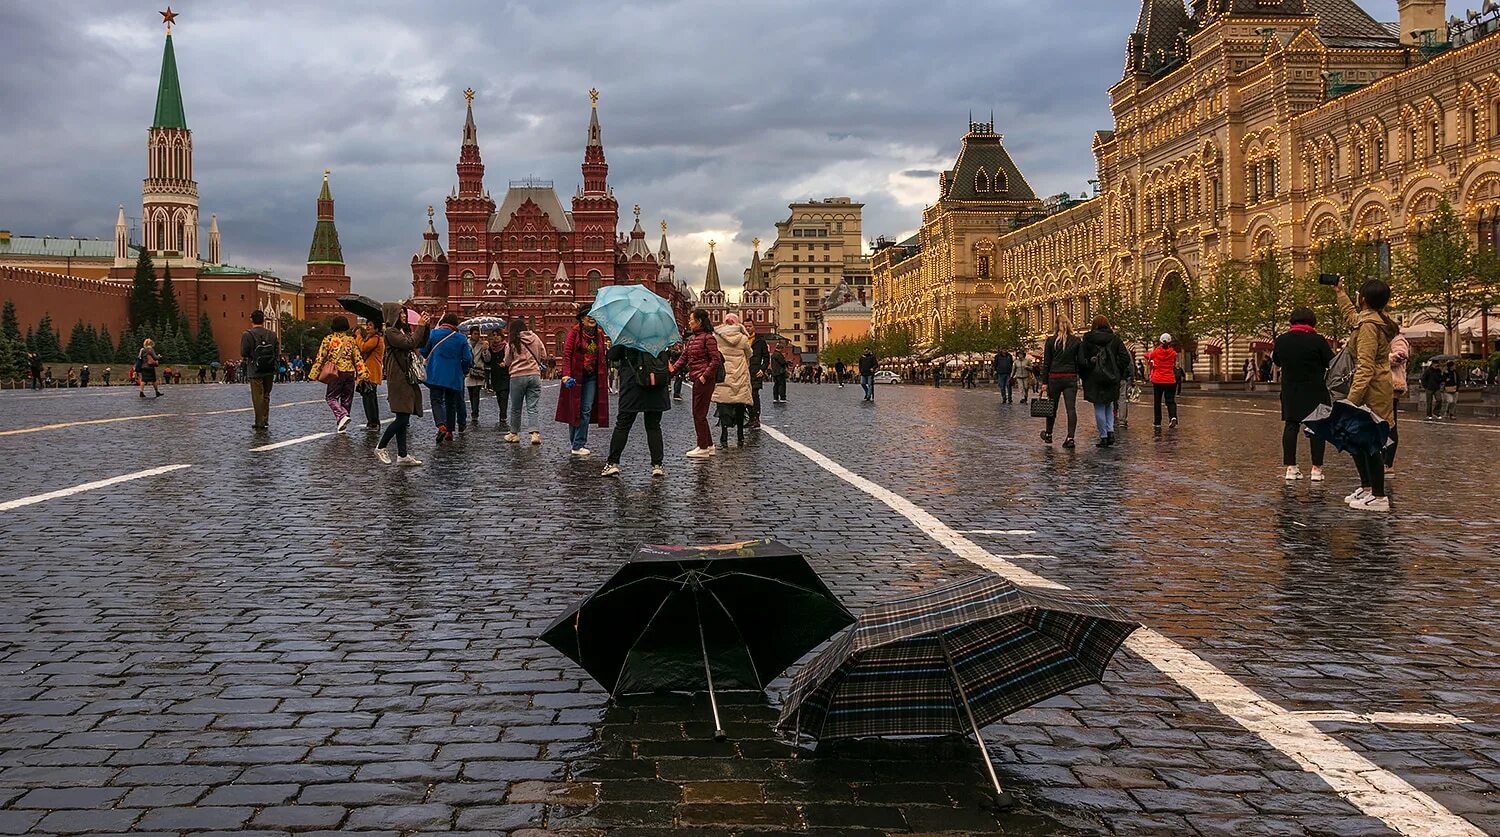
<point>701,358</point>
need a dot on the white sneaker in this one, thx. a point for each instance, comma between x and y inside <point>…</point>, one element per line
<point>658,470</point>
<point>383,455</point>
<point>512,438</point>
<point>408,460</point>
<point>581,452</point>
<point>536,438</point>
<point>1293,473</point>
<point>343,424</point>
<point>1354,495</point>
<point>1359,496</point>
<point>610,470</point>
<point>1316,475</point>
<point>1373,504</point>
<point>700,453</point>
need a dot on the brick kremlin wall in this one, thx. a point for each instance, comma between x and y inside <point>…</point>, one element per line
<point>68,299</point>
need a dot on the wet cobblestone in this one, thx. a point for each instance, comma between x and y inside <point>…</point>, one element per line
<point>178,656</point>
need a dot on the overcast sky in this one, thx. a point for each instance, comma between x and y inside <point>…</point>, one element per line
<point>715,114</point>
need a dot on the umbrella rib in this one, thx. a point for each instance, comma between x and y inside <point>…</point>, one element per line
<point>759,681</point>
<point>760,577</point>
<point>625,660</point>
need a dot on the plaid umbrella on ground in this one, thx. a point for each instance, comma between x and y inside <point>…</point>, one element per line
<point>952,660</point>
<point>688,617</point>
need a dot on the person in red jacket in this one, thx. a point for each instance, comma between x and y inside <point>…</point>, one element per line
<point>1162,362</point>
<point>584,397</point>
<point>701,358</point>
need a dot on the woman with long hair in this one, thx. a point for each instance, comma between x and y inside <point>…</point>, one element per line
<point>1162,361</point>
<point>340,351</point>
<point>734,396</point>
<point>584,398</point>
<point>1303,356</point>
<point>525,357</point>
<point>1105,366</point>
<point>1371,386</point>
<point>403,391</point>
<point>146,361</point>
<point>701,359</point>
<point>1060,372</point>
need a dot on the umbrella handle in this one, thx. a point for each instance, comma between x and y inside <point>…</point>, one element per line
<point>713,703</point>
<point>1001,796</point>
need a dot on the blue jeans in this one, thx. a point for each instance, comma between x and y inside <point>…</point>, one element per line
<point>447,407</point>
<point>1104,418</point>
<point>868,382</point>
<point>588,389</point>
<point>1006,395</point>
<point>527,389</point>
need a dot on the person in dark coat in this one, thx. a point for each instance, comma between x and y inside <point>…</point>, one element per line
<point>780,369</point>
<point>1060,374</point>
<point>405,395</point>
<point>868,363</point>
<point>1303,356</point>
<point>645,389</point>
<point>760,365</point>
<point>583,400</point>
<point>1004,365</point>
<point>1103,364</point>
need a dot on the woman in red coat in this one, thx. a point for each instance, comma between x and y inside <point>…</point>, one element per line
<point>701,358</point>
<point>1162,363</point>
<point>583,400</point>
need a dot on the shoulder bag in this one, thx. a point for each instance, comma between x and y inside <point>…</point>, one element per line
<point>1340,375</point>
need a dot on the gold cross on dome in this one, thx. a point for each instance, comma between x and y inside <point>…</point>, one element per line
<point>469,94</point>
<point>663,227</point>
<point>594,96</point>
<point>429,213</point>
<point>637,212</point>
<point>711,244</point>
<point>755,242</point>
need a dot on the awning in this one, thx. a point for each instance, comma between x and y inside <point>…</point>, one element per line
<point>1262,346</point>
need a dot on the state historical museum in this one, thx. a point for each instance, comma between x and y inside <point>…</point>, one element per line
<point>530,257</point>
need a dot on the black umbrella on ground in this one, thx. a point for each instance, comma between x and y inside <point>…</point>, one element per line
<point>952,660</point>
<point>362,306</point>
<point>692,618</point>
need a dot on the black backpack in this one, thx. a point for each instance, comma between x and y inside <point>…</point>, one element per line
<point>652,371</point>
<point>263,356</point>
<point>1101,362</point>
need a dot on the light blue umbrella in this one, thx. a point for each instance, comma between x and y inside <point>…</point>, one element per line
<point>635,317</point>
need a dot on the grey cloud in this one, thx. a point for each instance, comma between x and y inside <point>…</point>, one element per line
<point>715,113</point>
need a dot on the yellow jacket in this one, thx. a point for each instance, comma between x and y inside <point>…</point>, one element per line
<point>1372,386</point>
<point>342,350</point>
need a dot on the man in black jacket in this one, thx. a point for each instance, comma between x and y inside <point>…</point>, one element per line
<point>867,364</point>
<point>259,349</point>
<point>760,364</point>
<point>1003,365</point>
<point>779,371</point>
<point>1432,384</point>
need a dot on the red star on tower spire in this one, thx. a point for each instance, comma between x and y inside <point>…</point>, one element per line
<point>168,17</point>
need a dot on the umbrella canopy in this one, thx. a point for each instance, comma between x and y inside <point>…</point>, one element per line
<point>486,325</point>
<point>635,317</point>
<point>362,306</point>
<point>898,671</point>
<point>1349,427</point>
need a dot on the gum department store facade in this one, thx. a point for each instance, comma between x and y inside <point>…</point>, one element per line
<point>1240,126</point>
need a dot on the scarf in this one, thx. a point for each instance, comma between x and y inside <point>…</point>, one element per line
<point>1303,328</point>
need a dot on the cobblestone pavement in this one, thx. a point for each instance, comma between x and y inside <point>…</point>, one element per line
<point>301,640</point>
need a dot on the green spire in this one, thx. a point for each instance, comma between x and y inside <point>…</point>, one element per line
<point>169,93</point>
<point>325,244</point>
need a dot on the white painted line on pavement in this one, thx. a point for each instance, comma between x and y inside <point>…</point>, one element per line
<point>299,440</point>
<point>88,486</point>
<point>67,424</point>
<point>1378,792</point>
<point>1485,428</point>
<point>251,409</point>
<point>1391,718</point>
<point>1017,532</point>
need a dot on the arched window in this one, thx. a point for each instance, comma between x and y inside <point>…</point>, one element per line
<point>596,282</point>
<point>181,242</point>
<point>468,282</point>
<point>161,234</point>
<point>997,184</point>
<point>1437,136</point>
<point>982,181</point>
<point>530,285</point>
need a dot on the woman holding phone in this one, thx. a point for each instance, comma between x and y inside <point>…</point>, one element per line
<point>701,360</point>
<point>402,339</point>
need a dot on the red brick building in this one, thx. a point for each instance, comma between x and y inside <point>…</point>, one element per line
<point>529,256</point>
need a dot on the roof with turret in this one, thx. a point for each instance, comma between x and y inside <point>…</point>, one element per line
<point>711,278</point>
<point>540,193</point>
<point>325,247</point>
<point>983,152</point>
<point>169,113</point>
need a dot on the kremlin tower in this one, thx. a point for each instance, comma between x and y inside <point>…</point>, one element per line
<point>326,277</point>
<point>712,299</point>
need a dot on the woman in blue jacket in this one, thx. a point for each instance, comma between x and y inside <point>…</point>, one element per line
<point>448,360</point>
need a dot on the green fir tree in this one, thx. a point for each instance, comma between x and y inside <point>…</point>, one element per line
<point>167,309</point>
<point>46,343</point>
<point>10,325</point>
<point>207,348</point>
<point>79,349</point>
<point>104,345</point>
<point>143,300</point>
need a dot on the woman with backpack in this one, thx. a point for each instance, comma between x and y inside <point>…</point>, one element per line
<point>146,361</point>
<point>1060,372</point>
<point>1103,363</point>
<point>1303,356</point>
<point>448,361</point>
<point>584,398</point>
<point>733,395</point>
<point>701,360</point>
<point>403,390</point>
<point>1371,386</point>
<point>525,357</point>
<point>1162,361</point>
<point>339,366</point>
<point>645,389</point>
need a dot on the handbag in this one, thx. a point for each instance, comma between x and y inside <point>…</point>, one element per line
<point>1340,375</point>
<point>1043,408</point>
<point>328,374</point>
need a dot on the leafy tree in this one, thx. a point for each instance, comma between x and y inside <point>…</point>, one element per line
<point>847,350</point>
<point>10,326</point>
<point>1272,297</point>
<point>894,343</point>
<point>46,343</point>
<point>1438,275</point>
<point>1222,309</point>
<point>301,337</point>
<point>167,308</point>
<point>1010,331</point>
<point>1130,315</point>
<point>79,348</point>
<point>207,351</point>
<point>143,301</point>
<point>1343,256</point>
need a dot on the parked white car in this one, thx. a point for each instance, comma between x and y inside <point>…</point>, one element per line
<point>886,376</point>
